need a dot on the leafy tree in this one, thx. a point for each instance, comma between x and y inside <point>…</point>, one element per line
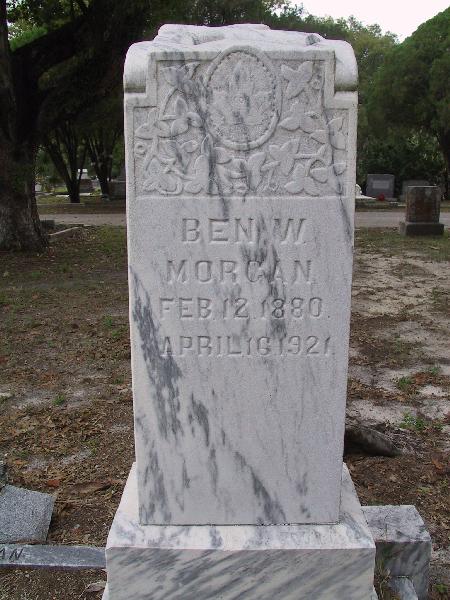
<point>67,150</point>
<point>75,60</point>
<point>412,88</point>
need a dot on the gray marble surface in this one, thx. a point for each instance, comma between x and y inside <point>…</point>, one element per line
<point>403,543</point>
<point>298,562</point>
<point>240,191</point>
<point>25,515</point>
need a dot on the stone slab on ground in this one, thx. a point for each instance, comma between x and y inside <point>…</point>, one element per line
<point>406,228</point>
<point>255,562</point>
<point>25,515</point>
<point>52,557</point>
<point>403,543</point>
<point>403,588</point>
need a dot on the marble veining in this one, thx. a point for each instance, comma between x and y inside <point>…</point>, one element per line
<point>327,562</point>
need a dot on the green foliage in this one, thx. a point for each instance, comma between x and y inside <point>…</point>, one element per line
<point>413,423</point>
<point>412,88</point>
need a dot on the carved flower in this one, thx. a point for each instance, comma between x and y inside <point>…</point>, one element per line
<point>180,152</point>
<point>160,179</point>
<point>181,77</point>
<point>301,182</point>
<point>307,121</point>
<point>285,154</point>
<point>240,102</point>
<point>149,130</point>
<point>297,78</point>
<point>182,118</point>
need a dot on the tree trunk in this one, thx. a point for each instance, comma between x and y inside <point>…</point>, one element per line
<point>20,228</point>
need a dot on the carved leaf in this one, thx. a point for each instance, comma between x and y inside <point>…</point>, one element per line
<point>335,125</point>
<point>284,155</point>
<point>320,136</point>
<point>298,78</point>
<point>291,123</point>
<point>298,182</point>
<point>311,187</point>
<point>179,126</point>
<point>181,107</point>
<point>255,163</point>
<point>309,122</point>
<point>338,140</point>
<point>147,131</point>
<point>320,174</point>
<point>201,170</point>
<point>194,119</point>
<point>221,155</point>
<point>339,168</point>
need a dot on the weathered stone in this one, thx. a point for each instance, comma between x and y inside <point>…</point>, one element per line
<point>403,543</point>
<point>24,515</point>
<point>412,183</point>
<point>423,206</point>
<point>241,182</point>
<point>52,557</point>
<point>255,562</point>
<point>403,588</point>
<point>241,151</point>
<point>380,184</point>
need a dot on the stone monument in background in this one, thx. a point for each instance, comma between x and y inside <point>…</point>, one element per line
<point>241,182</point>
<point>423,208</point>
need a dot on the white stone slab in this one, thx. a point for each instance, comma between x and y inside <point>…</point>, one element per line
<point>240,162</point>
<point>296,562</point>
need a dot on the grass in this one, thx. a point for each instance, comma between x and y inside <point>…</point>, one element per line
<point>59,400</point>
<point>405,383</point>
<point>389,241</point>
<point>413,423</point>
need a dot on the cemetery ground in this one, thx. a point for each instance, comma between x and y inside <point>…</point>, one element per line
<point>66,404</point>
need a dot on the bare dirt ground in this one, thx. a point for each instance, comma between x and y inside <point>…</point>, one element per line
<point>65,387</point>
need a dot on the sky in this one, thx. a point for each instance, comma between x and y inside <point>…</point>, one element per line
<point>401,17</point>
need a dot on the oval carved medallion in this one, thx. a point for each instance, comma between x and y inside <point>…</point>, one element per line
<point>244,98</point>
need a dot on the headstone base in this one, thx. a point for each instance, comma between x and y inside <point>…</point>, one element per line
<point>407,228</point>
<point>255,562</point>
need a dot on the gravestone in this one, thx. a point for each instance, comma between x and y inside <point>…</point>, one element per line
<point>423,207</point>
<point>241,162</point>
<point>118,187</point>
<point>25,515</point>
<point>412,183</point>
<point>380,184</point>
<point>86,186</point>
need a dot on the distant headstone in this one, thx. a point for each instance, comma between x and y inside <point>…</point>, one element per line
<point>38,188</point>
<point>25,515</point>
<point>380,184</point>
<point>241,146</point>
<point>412,183</point>
<point>118,187</point>
<point>86,186</point>
<point>423,206</point>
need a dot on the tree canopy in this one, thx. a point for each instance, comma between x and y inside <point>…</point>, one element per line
<point>412,87</point>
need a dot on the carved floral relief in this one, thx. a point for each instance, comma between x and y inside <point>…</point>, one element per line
<point>243,125</point>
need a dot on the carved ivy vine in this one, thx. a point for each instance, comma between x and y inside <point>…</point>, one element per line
<point>173,164</point>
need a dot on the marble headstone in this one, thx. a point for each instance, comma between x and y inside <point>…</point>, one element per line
<point>378,184</point>
<point>240,153</point>
<point>240,231</point>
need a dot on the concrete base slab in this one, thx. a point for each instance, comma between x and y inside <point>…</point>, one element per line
<point>407,228</point>
<point>255,562</point>
<point>25,515</point>
<point>403,544</point>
